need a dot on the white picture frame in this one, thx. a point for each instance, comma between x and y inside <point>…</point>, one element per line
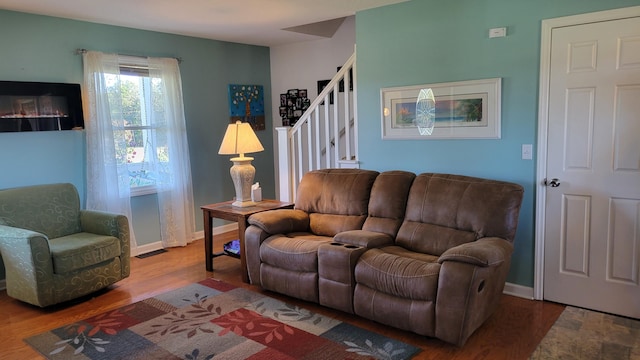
<point>468,110</point>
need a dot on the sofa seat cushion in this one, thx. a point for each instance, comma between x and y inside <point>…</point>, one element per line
<point>399,272</point>
<point>81,250</point>
<point>294,251</point>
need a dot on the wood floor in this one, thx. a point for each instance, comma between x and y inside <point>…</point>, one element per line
<point>513,332</point>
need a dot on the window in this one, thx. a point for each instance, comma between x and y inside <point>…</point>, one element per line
<point>140,115</point>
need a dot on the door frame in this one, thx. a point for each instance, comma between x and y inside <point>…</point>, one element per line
<point>543,123</point>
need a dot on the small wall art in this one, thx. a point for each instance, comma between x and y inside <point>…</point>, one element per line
<point>293,104</point>
<point>246,103</point>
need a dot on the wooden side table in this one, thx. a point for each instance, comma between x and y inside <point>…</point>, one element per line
<point>225,211</point>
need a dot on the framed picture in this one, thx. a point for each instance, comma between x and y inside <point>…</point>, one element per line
<point>463,110</point>
<point>292,105</point>
<point>246,103</point>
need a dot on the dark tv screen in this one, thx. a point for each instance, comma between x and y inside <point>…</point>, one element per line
<point>40,106</point>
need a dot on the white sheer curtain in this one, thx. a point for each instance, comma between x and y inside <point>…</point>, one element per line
<point>175,192</point>
<point>107,173</point>
<point>108,179</point>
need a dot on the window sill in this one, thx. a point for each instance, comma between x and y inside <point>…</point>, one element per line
<point>144,190</point>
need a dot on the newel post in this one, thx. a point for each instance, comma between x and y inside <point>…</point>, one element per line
<point>284,164</point>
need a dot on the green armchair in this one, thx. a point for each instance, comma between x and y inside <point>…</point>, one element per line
<point>53,251</point>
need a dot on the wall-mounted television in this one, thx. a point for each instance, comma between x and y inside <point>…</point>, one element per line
<point>40,106</point>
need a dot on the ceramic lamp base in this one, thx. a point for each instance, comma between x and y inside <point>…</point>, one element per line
<point>242,174</point>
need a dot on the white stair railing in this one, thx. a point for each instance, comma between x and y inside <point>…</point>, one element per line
<point>324,137</point>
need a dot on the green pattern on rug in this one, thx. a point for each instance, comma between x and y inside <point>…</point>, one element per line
<point>212,319</point>
<point>584,335</point>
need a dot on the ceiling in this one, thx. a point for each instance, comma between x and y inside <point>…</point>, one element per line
<point>256,22</point>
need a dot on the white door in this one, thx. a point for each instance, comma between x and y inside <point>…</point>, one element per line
<point>592,214</point>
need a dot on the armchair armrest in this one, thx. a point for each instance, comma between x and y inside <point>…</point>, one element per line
<point>19,243</point>
<point>104,223</point>
<point>27,259</point>
<point>364,238</point>
<point>482,252</point>
<point>281,221</point>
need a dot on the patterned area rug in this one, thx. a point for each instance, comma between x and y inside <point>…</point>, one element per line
<point>212,319</point>
<point>584,335</point>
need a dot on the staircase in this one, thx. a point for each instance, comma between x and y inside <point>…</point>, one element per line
<point>325,136</point>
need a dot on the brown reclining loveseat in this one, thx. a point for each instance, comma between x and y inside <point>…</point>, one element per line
<point>427,253</point>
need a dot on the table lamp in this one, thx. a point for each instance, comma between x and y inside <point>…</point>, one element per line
<point>240,139</point>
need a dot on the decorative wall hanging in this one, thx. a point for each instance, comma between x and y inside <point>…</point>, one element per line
<point>293,103</point>
<point>246,104</point>
<point>463,110</point>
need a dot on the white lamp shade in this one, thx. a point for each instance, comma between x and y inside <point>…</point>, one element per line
<point>240,139</point>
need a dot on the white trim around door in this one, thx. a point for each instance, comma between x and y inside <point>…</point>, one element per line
<point>543,122</point>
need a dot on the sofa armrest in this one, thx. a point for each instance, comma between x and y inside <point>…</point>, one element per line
<point>364,238</point>
<point>281,221</point>
<point>482,252</point>
<point>470,285</point>
<point>116,225</point>
<point>28,263</point>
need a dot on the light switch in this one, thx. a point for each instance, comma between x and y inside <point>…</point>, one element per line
<point>527,151</point>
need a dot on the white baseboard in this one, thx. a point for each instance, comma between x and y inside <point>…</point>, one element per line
<point>146,248</point>
<point>518,290</point>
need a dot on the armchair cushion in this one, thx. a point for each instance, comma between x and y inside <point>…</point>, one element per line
<point>81,250</point>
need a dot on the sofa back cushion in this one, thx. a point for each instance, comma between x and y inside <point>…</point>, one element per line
<point>388,202</point>
<point>336,199</point>
<point>445,210</point>
<point>53,210</point>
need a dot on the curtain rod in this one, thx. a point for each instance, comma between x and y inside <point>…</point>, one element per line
<point>82,51</point>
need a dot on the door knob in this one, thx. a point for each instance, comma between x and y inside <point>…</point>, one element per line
<point>553,183</point>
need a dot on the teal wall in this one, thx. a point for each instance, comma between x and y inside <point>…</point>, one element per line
<point>432,41</point>
<point>40,48</point>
